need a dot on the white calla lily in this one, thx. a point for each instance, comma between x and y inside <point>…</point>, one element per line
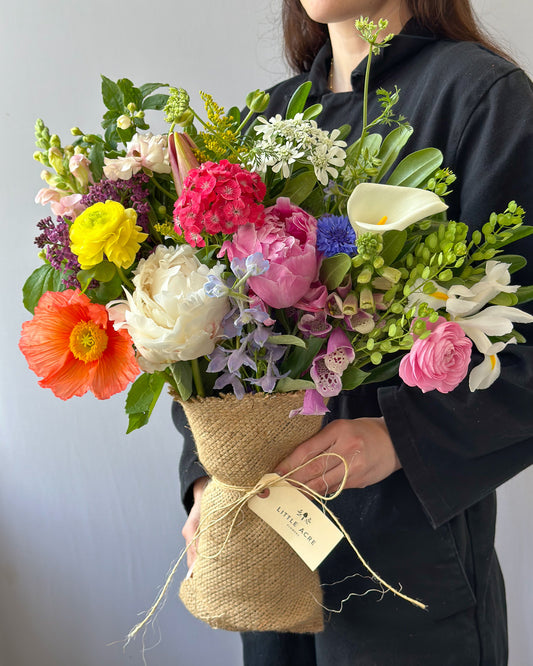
<point>488,371</point>
<point>378,208</point>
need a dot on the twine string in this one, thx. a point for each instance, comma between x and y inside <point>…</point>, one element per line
<point>236,506</point>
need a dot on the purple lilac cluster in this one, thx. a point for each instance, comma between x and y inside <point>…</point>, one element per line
<point>131,193</point>
<point>55,238</point>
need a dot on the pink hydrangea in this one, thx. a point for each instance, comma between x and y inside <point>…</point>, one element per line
<point>439,361</point>
<point>287,239</point>
<point>218,198</point>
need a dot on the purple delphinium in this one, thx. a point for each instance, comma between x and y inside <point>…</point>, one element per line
<point>131,193</point>
<point>55,240</point>
<point>335,234</point>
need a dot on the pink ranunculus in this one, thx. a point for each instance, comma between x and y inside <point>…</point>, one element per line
<point>287,240</point>
<point>439,361</point>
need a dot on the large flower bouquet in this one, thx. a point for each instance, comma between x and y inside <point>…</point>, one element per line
<point>254,255</point>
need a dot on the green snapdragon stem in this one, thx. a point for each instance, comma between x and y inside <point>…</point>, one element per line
<point>197,378</point>
<point>365,104</point>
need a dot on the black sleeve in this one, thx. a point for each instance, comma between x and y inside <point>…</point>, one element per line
<point>458,447</point>
<point>190,467</point>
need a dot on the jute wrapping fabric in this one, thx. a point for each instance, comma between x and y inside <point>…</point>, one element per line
<point>255,582</point>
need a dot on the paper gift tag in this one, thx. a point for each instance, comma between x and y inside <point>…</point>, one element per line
<point>297,520</point>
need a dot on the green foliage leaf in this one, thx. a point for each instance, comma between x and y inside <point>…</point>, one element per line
<point>107,291</point>
<point>383,372</point>
<point>393,243</point>
<point>312,111</point>
<point>148,88</point>
<point>235,115</point>
<point>353,377</point>
<point>298,100</point>
<point>286,385</point>
<point>130,93</point>
<point>287,340</point>
<point>156,102</point>
<point>515,261</point>
<point>514,235</point>
<point>524,294</point>
<point>390,149</point>
<point>299,360</point>
<point>96,156</point>
<point>297,189</point>
<point>142,398</point>
<point>112,95</point>
<point>334,269</point>
<point>416,168</point>
<point>43,279</point>
<point>182,373</point>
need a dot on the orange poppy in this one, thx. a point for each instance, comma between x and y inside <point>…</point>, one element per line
<point>73,346</point>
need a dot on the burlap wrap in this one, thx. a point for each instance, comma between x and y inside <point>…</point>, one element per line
<point>257,582</point>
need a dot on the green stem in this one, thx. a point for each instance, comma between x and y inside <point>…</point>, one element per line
<point>197,378</point>
<point>250,114</point>
<point>166,192</point>
<point>125,280</point>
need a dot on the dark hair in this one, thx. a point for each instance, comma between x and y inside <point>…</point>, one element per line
<point>453,19</point>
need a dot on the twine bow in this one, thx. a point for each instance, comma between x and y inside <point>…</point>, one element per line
<point>236,506</point>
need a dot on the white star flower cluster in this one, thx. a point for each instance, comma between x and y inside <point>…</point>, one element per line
<point>285,142</point>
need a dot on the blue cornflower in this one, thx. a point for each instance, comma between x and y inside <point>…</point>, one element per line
<point>335,234</point>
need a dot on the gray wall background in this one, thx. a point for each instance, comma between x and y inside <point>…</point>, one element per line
<point>89,517</point>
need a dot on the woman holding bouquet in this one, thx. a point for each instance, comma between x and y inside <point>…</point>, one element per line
<point>419,500</point>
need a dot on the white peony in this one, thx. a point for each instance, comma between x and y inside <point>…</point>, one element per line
<point>144,151</point>
<point>169,316</point>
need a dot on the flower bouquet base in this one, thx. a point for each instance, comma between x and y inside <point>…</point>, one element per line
<point>246,577</point>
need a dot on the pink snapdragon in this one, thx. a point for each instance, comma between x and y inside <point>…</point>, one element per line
<point>66,205</point>
<point>287,240</point>
<point>439,361</point>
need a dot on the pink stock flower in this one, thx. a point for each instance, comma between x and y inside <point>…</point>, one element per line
<point>287,240</point>
<point>327,368</point>
<point>218,198</point>
<point>439,361</point>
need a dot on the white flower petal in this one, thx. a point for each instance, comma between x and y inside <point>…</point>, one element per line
<point>370,203</point>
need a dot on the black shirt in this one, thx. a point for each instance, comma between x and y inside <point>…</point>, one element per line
<point>430,526</point>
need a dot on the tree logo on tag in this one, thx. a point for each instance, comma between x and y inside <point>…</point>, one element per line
<point>304,516</point>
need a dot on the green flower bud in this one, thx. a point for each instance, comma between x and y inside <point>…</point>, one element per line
<point>378,262</point>
<point>375,358</point>
<point>178,102</point>
<point>397,308</point>
<point>393,329</point>
<point>446,275</point>
<point>257,101</point>
<point>76,131</point>
<point>391,274</point>
<point>40,157</point>
<point>370,344</point>
<point>132,107</point>
<point>366,299</point>
<point>364,276</point>
<point>55,157</point>
<point>184,119</point>
<point>419,327</point>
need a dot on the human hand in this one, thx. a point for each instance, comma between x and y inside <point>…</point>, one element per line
<point>363,443</point>
<point>191,524</point>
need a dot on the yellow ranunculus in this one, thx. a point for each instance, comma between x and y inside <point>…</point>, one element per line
<point>106,228</point>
